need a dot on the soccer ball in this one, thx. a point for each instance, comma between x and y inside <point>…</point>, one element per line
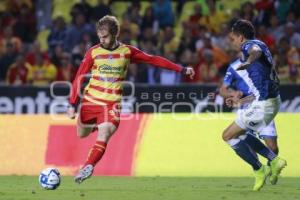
<point>49,178</point>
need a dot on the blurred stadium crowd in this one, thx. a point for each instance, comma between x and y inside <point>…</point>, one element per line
<point>45,40</point>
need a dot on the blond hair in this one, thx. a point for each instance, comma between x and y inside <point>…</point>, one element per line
<point>112,24</point>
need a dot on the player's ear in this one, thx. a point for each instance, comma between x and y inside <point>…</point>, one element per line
<point>241,38</point>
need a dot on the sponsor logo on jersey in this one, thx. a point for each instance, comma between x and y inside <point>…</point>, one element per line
<point>109,69</point>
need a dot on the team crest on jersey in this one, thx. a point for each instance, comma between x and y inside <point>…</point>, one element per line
<point>110,57</point>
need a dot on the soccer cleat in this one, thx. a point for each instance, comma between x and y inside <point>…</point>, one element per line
<point>84,173</point>
<point>260,177</point>
<point>276,167</point>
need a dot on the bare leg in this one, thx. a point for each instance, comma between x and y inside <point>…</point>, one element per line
<point>232,131</point>
<point>272,144</point>
<point>83,131</point>
<point>105,131</point>
<point>231,135</point>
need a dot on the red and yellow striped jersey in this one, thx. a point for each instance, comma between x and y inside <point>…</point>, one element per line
<point>107,69</point>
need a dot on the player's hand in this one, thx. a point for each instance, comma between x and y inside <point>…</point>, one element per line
<point>71,112</point>
<point>243,65</point>
<point>188,71</point>
<point>232,102</point>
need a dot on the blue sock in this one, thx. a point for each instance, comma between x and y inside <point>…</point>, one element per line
<point>259,147</point>
<point>244,152</point>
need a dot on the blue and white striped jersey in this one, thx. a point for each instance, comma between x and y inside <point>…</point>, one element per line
<point>234,78</point>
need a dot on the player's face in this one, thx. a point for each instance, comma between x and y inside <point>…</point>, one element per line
<point>106,39</point>
<point>237,40</point>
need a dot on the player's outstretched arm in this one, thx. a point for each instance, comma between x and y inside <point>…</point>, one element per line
<point>138,56</point>
<point>84,68</point>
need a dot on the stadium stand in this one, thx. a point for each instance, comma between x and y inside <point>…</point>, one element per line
<point>190,31</point>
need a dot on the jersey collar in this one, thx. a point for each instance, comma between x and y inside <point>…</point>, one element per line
<point>117,46</point>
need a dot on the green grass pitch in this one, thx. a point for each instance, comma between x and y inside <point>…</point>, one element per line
<point>148,188</point>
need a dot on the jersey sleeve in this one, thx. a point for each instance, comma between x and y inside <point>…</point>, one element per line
<point>85,67</point>
<point>229,77</point>
<point>138,56</point>
<point>246,47</point>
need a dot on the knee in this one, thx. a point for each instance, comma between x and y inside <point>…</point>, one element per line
<point>226,136</point>
<point>105,131</point>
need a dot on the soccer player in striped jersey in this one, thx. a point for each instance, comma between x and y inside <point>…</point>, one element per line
<point>107,63</point>
<point>260,76</point>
